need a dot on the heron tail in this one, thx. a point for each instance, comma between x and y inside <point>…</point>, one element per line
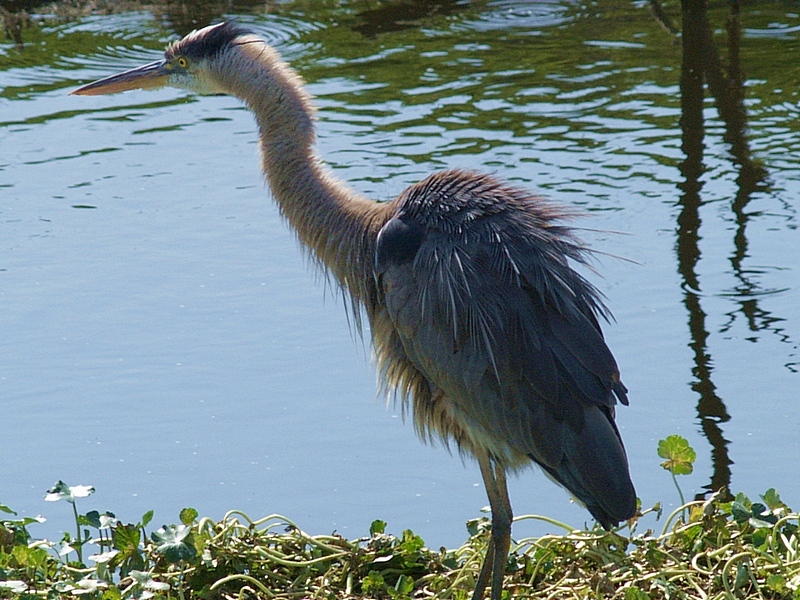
<point>594,468</point>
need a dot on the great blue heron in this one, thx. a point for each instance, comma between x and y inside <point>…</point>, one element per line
<point>477,317</point>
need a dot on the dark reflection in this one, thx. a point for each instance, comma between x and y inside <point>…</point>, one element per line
<point>180,16</point>
<point>20,6</point>
<point>13,24</point>
<point>660,15</point>
<point>702,64</point>
<point>183,16</point>
<point>395,16</point>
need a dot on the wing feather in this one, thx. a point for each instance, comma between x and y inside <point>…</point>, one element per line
<point>491,313</point>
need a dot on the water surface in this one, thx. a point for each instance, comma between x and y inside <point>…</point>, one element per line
<point>164,340</point>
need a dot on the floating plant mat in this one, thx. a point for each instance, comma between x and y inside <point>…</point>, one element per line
<point>711,549</point>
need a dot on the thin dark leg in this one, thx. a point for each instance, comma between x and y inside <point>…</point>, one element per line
<point>486,570</point>
<point>502,540</point>
<point>494,478</point>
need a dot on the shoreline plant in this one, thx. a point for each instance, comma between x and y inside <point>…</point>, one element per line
<point>707,549</point>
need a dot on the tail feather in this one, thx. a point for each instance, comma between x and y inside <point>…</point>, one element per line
<point>594,468</point>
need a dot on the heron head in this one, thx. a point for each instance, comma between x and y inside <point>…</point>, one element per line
<point>190,63</point>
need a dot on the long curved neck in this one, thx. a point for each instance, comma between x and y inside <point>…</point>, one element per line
<point>338,225</point>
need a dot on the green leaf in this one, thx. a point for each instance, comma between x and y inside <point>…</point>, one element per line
<point>146,518</point>
<point>633,593</point>
<point>5,509</point>
<point>772,499</point>
<point>111,593</point>
<point>377,527</point>
<point>188,515</point>
<point>175,542</point>
<point>476,526</point>
<point>762,515</point>
<point>34,558</point>
<point>92,519</point>
<point>739,511</point>
<point>679,455</point>
<point>96,520</point>
<point>777,583</point>
<point>125,537</point>
<point>759,535</point>
<point>411,543</point>
<point>373,583</point>
<point>24,521</point>
<point>742,575</point>
<point>404,585</point>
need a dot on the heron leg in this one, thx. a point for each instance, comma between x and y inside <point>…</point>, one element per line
<point>494,478</point>
<point>486,570</point>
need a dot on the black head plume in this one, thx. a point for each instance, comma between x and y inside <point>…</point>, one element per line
<point>207,42</point>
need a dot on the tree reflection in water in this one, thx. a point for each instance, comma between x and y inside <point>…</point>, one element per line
<point>702,64</point>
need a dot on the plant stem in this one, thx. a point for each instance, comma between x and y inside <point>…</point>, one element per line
<point>680,493</point>
<point>180,581</point>
<point>78,549</point>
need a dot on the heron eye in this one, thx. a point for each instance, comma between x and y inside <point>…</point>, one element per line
<point>182,62</point>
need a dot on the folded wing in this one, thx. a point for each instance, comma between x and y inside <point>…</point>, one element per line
<point>477,283</point>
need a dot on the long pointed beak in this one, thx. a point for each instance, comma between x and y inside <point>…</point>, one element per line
<point>147,77</point>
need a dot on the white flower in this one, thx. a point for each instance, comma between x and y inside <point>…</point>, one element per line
<point>104,557</point>
<point>61,491</point>
<point>14,585</point>
<point>88,586</point>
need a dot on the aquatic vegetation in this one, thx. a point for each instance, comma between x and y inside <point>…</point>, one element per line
<point>738,549</point>
<point>712,549</point>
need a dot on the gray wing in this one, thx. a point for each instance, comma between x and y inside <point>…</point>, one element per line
<point>476,281</point>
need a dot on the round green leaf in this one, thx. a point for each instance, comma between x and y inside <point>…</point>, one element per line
<point>175,542</point>
<point>679,455</point>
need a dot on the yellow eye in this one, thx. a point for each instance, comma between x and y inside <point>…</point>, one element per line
<point>182,62</point>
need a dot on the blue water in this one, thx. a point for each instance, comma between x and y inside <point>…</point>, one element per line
<point>163,339</point>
